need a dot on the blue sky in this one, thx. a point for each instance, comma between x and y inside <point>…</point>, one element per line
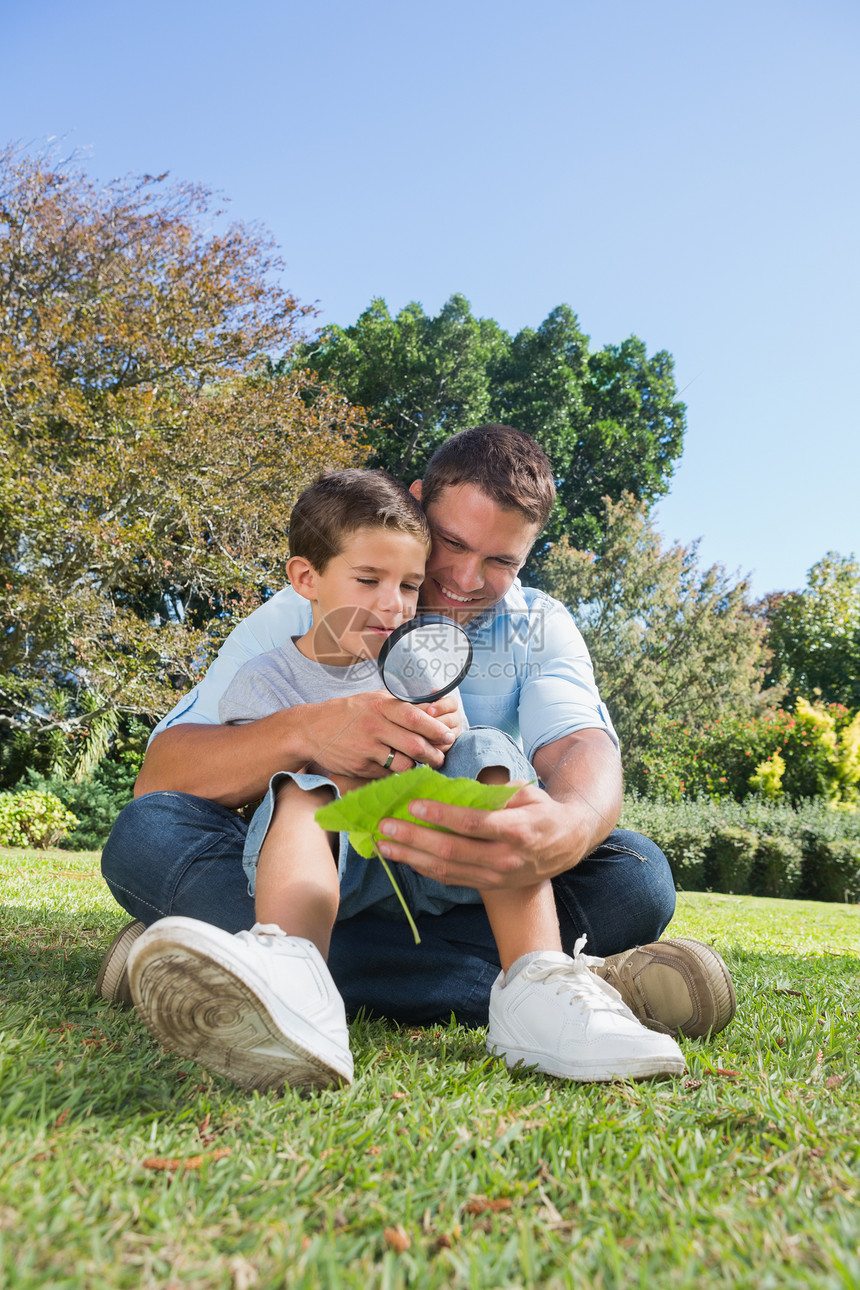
<point>685,172</point>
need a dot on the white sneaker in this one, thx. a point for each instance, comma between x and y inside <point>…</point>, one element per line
<point>259,1007</point>
<point>551,1012</point>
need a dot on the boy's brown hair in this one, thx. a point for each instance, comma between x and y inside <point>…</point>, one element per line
<point>340,502</point>
<point>506,464</point>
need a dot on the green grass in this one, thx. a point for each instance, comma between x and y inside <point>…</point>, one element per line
<point>744,1173</point>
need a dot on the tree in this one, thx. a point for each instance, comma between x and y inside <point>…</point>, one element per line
<point>420,378</point>
<point>148,464</point>
<point>610,421</point>
<point>666,638</point>
<point>814,634</point>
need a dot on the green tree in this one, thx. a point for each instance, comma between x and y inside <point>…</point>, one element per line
<point>420,378</point>
<point>814,634</point>
<point>610,421</point>
<point>147,462</point>
<point>667,640</point>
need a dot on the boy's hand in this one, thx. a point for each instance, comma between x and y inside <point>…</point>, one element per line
<point>449,712</point>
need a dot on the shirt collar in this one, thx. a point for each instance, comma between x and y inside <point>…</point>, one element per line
<point>513,602</point>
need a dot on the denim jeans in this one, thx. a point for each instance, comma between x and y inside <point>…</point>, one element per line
<point>171,853</point>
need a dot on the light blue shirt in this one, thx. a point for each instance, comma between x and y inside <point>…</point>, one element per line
<point>531,674</point>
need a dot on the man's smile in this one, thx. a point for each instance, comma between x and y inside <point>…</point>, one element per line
<point>452,595</point>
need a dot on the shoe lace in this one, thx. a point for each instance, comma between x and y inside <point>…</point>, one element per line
<point>585,989</point>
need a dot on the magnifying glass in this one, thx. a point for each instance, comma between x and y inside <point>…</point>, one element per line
<point>425,658</point>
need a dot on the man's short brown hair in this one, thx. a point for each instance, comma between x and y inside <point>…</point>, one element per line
<point>340,502</point>
<point>506,464</point>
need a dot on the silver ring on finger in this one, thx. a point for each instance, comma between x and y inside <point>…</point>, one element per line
<point>392,753</point>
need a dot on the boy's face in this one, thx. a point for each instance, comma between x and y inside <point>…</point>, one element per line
<point>363,593</point>
<point>478,550</point>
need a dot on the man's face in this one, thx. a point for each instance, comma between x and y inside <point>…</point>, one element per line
<point>478,549</point>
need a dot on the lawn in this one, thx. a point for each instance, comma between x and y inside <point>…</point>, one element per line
<point>123,1166</point>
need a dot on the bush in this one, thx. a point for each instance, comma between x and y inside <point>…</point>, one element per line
<point>811,752</point>
<point>715,760</point>
<point>772,848</point>
<point>729,858</point>
<point>33,819</point>
<point>96,801</point>
<point>686,850</point>
<point>831,866</point>
<point>778,867</point>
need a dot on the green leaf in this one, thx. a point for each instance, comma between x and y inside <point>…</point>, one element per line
<point>359,813</point>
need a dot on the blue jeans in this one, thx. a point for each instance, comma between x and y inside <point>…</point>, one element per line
<point>171,853</point>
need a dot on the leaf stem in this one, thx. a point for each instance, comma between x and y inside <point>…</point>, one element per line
<point>398,893</point>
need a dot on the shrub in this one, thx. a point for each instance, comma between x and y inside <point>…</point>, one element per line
<point>729,858</point>
<point>33,818</point>
<point>778,867</point>
<point>714,760</point>
<point>831,866</point>
<point>685,850</point>
<point>811,851</point>
<point>96,801</point>
<point>811,752</point>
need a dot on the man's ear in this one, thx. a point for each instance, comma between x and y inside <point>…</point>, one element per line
<point>416,489</point>
<point>302,576</point>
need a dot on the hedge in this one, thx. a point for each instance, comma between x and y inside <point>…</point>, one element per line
<point>754,847</point>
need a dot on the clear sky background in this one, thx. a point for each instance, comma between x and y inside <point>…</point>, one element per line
<point>681,171</point>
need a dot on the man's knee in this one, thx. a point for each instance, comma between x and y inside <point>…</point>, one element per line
<point>171,853</point>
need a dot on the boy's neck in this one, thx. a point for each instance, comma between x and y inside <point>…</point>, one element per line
<point>317,641</point>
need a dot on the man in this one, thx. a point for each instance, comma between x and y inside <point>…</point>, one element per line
<point>177,849</point>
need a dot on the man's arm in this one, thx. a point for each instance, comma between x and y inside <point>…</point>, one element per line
<point>351,737</point>
<point>539,834</point>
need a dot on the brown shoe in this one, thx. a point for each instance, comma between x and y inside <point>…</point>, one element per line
<point>112,980</point>
<point>678,987</point>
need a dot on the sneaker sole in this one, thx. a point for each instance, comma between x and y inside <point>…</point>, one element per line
<point>112,980</point>
<point>596,1073</point>
<point>223,1023</point>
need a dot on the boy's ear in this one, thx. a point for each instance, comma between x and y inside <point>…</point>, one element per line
<point>302,576</point>
<point>415,489</point>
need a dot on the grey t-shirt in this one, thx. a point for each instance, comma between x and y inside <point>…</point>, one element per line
<point>284,678</point>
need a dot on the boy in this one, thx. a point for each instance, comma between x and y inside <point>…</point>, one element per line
<point>358,547</point>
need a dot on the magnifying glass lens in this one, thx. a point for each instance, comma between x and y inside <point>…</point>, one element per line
<point>425,658</point>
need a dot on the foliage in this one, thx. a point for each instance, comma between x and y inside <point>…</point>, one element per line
<point>610,421</point>
<point>832,755</point>
<point>814,634</point>
<point>767,777</point>
<point>33,818</point>
<point>420,378</point>
<point>147,462</point>
<point>817,745</point>
<point>97,799</point>
<point>669,642</point>
<point>766,848</point>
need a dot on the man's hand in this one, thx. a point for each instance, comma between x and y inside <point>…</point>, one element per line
<point>356,739</point>
<point>351,737</point>
<point>518,846</point>
<point>537,835</point>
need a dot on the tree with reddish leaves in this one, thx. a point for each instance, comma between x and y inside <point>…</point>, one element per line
<point>148,459</point>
